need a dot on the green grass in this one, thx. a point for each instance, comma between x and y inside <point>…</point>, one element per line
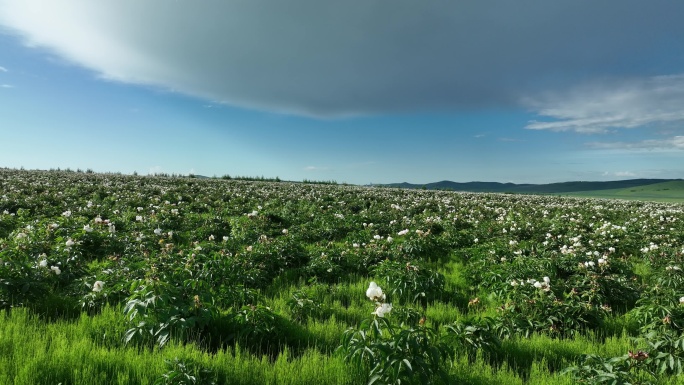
<point>672,191</point>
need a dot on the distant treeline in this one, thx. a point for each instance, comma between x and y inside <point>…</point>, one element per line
<point>191,175</point>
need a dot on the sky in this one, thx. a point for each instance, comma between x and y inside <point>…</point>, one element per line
<point>355,91</point>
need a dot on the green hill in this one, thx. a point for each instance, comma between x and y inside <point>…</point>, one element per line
<point>672,191</point>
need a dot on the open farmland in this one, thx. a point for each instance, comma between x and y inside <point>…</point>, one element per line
<point>114,279</point>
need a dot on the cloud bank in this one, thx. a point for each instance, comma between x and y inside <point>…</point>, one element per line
<point>598,108</point>
<point>319,58</point>
<point>659,145</point>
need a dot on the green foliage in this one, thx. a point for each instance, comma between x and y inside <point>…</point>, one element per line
<point>598,370</point>
<point>410,282</point>
<point>182,373</point>
<point>396,355</point>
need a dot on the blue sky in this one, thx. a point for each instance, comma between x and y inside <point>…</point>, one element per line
<point>356,91</point>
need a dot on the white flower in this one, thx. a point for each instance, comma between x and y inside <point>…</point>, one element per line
<point>389,239</point>
<point>377,237</point>
<point>602,261</point>
<point>56,270</point>
<point>157,231</point>
<point>139,218</point>
<point>547,280</point>
<point>70,242</point>
<point>87,228</point>
<point>43,263</point>
<point>356,245</point>
<point>67,213</point>
<point>285,231</point>
<point>97,286</point>
<point>681,300</point>
<point>21,235</point>
<point>383,309</point>
<point>374,292</point>
<point>225,238</point>
<point>403,232</point>
<point>211,237</point>
<point>98,220</point>
<point>514,283</point>
<point>476,240</point>
<point>538,285</point>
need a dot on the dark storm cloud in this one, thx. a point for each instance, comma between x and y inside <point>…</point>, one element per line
<point>351,57</point>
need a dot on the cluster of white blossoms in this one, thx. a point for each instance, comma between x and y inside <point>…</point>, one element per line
<point>544,284</point>
<point>375,294</point>
<point>652,246</point>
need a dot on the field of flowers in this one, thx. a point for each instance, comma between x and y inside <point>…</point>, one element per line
<point>114,279</point>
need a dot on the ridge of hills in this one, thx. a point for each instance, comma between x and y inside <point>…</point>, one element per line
<point>549,188</point>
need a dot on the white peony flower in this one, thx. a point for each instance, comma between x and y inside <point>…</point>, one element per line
<point>374,292</point>
<point>56,270</point>
<point>97,286</point>
<point>383,309</point>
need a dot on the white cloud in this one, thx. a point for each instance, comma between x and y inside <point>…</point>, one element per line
<point>314,168</point>
<point>339,58</point>
<point>661,145</point>
<point>600,108</point>
<point>620,174</point>
<point>3,69</point>
<point>6,86</point>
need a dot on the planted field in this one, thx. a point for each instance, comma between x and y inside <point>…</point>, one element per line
<point>113,279</point>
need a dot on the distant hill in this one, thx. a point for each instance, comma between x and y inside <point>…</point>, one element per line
<point>550,188</point>
<point>672,191</point>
